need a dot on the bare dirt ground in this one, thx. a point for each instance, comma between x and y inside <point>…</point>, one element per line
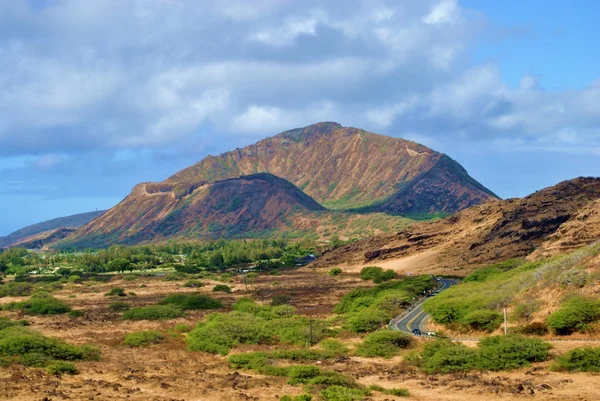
<point>168,371</point>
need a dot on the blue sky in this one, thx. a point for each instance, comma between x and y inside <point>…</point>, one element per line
<point>99,95</point>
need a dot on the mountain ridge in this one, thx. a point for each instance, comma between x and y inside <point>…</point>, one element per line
<point>340,167</point>
<point>536,225</point>
<point>336,167</point>
<point>26,233</point>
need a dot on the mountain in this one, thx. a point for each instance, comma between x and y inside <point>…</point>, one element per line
<point>255,205</point>
<point>349,168</point>
<point>41,230</point>
<point>322,164</point>
<point>550,221</point>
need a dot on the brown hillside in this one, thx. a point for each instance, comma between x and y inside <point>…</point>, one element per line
<point>339,167</point>
<point>249,206</point>
<point>343,167</point>
<point>494,231</point>
<point>251,203</point>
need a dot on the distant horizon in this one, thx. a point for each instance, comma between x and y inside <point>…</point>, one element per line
<point>100,96</point>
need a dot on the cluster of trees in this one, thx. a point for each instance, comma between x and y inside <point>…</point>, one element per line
<point>185,256</point>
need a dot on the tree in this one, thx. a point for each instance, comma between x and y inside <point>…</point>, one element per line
<point>120,265</point>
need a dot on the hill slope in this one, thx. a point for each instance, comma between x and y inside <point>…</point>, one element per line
<point>249,206</point>
<point>346,168</point>
<point>36,231</point>
<point>229,207</point>
<point>339,167</point>
<point>490,232</point>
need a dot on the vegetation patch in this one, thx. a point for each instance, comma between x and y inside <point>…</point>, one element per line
<point>116,292</point>
<point>444,356</point>
<point>142,338</point>
<point>222,288</point>
<point>153,312</point>
<point>250,323</point>
<point>118,306</point>
<point>377,274</point>
<point>368,309</point>
<point>192,301</point>
<point>40,303</point>
<point>585,359</point>
<point>384,343</point>
<point>60,368</point>
<point>21,345</point>
<point>510,352</point>
<point>576,314</point>
<point>493,353</point>
<point>340,393</point>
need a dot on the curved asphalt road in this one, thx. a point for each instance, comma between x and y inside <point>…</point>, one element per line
<point>416,317</point>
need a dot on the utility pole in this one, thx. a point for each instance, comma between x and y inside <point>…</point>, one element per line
<point>505,301</point>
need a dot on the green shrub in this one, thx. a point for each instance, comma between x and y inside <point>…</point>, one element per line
<point>336,271</point>
<point>406,288</point>
<point>370,272</point>
<point>221,332</point>
<point>76,313</point>
<point>485,273</point>
<point>281,299</point>
<point>193,284</point>
<point>192,301</point>
<point>367,320</point>
<point>398,392</point>
<point>222,288</point>
<point>130,277</point>
<point>182,328</point>
<point>377,274</point>
<point>34,349</point>
<point>483,320</point>
<point>74,280</point>
<point>41,303</point>
<point>534,329</point>
<point>585,359</point>
<point>334,347</point>
<point>175,276</point>
<point>385,343</point>
<point>59,368</point>
<point>6,323</point>
<point>510,352</point>
<point>575,314</point>
<point>15,289</point>
<point>301,397</point>
<point>329,378</point>
<point>302,374</point>
<point>116,292</point>
<point>141,338</point>
<point>118,306</point>
<point>444,356</point>
<point>391,301</point>
<point>339,393</point>
<point>35,360</point>
<point>153,312</point>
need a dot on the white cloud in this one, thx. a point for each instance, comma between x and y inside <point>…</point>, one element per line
<point>445,12</point>
<point>116,75</point>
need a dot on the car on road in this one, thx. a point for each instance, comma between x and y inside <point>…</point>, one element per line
<point>417,332</point>
<point>431,334</point>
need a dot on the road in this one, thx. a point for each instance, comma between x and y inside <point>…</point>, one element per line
<point>416,317</point>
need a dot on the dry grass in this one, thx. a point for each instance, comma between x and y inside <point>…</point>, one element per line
<point>168,371</point>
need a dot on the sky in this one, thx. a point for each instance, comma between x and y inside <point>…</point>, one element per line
<point>99,95</point>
